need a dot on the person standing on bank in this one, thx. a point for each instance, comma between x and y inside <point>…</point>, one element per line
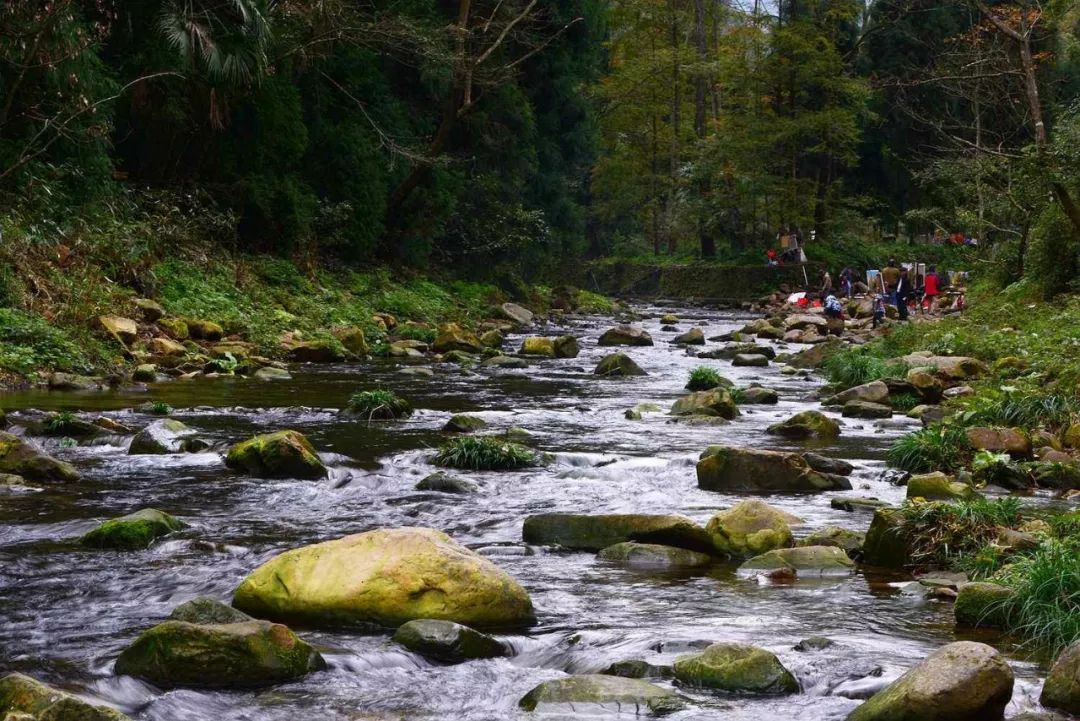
<point>931,289</point>
<point>903,292</point>
<point>891,276</point>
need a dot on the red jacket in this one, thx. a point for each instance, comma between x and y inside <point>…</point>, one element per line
<point>930,285</point>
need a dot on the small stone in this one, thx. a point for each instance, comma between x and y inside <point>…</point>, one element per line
<point>447,641</point>
<point>736,668</point>
<point>445,483</point>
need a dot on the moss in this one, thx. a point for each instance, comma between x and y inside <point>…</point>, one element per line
<point>132,532</point>
<point>284,454</point>
<point>735,667</point>
<point>602,690</point>
<point>21,695</point>
<point>236,655</point>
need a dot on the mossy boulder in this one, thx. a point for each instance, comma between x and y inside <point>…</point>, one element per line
<point>453,337</point>
<point>206,610</point>
<point>610,693</point>
<point>132,532</point>
<point>728,352</point>
<point>124,330</point>
<point>205,330</point>
<point>176,328</point>
<point>1062,688</point>
<point>723,468</point>
<point>750,360</point>
<point>22,458</point>
<point>749,528</point>
<point>625,335</point>
<point>581,532</point>
<point>886,544</point>
<point>963,681</point>
<point>150,310</point>
<point>756,395</point>
<point>939,487</point>
<point>464,424</point>
<point>694,336</point>
<point>566,346</point>
<point>284,454</point>
<point>618,365</point>
<point>144,373</point>
<point>385,577</point>
<point>651,555</point>
<point>447,641</point>
<point>803,560</point>
<point>717,402</point>
<point>445,483</point>
<point>516,313</point>
<point>926,384</point>
<point>22,697</point>
<point>807,424</point>
<point>535,346</point>
<point>231,655</point>
<point>844,538</point>
<point>948,368</point>
<point>866,410</point>
<point>166,348</point>
<point>352,339</point>
<point>270,373</point>
<point>736,668</point>
<point>981,604</point>
<point>167,435</point>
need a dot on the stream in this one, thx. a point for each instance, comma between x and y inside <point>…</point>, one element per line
<point>66,612</point>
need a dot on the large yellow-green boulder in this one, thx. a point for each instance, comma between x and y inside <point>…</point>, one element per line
<point>285,454</point>
<point>385,577</point>
<point>717,402</point>
<point>939,487</point>
<point>536,346</point>
<point>736,667</point>
<point>132,532</point>
<point>803,560</point>
<point>454,337</point>
<point>963,681</point>
<point>808,424</point>
<point>22,458</point>
<point>352,339</point>
<point>748,529</point>
<point>22,696</point>
<point>230,655</point>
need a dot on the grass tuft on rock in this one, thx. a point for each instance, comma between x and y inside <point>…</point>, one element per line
<point>937,447</point>
<point>379,404</point>
<point>1013,408</point>
<point>704,378</point>
<point>60,423</point>
<point>854,367</point>
<point>485,453</point>
<point>1045,606</point>
<point>941,534</point>
<point>160,408</point>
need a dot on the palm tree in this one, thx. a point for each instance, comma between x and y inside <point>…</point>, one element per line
<point>227,40</point>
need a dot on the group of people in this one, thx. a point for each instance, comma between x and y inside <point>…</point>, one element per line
<point>790,241</point>
<point>898,286</point>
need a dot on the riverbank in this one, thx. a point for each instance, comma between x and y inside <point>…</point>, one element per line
<point>102,312</point>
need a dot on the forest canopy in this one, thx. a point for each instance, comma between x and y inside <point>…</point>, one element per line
<point>524,133</point>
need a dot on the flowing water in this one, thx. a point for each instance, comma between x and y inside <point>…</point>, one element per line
<point>66,612</point>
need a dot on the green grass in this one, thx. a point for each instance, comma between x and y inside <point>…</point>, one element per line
<point>593,304</point>
<point>938,447</point>
<point>856,366</point>
<point>29,343</point>
<point>904,402</point>
<point>941,534</point>
<point>159,408</point>
<point>379,404</point>
<point>1045,608</point>
<point>1021,409</point>
<point>704,378</point>
<point>485,453</point>
<point>412,332</point>
<point>59,423</point>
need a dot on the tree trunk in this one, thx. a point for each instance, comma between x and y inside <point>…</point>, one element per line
<point>676,103</point>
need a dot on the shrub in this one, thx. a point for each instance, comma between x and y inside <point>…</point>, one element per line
<point>941,534</point>
<point>937,447</point>
<point>413,332</point>
<point>28,343</point>
<point>159,408</point>
<point>1025,410</point>
<point>992,468</point>
<point>703,378</point>
<point>854,367</point>
<point>379,404</point>
<point>59,423</point>
<point>1045,606</point>
<point>485,453</point>
<point>904,402</point>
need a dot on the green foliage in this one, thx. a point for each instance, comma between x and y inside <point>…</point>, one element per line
<point>59,423</point>
<point>855,366</point>
<point>485,453</point>
<point>704,378</point>
<point>412,332</point>
<point>940,534</point>
<point>1045,606</point>
<point>378,404</point>
<point>1012,407</point>
<point>159,408</point>
<point>593,303</point>
<point>28,343</point>
<point>938,447</point>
